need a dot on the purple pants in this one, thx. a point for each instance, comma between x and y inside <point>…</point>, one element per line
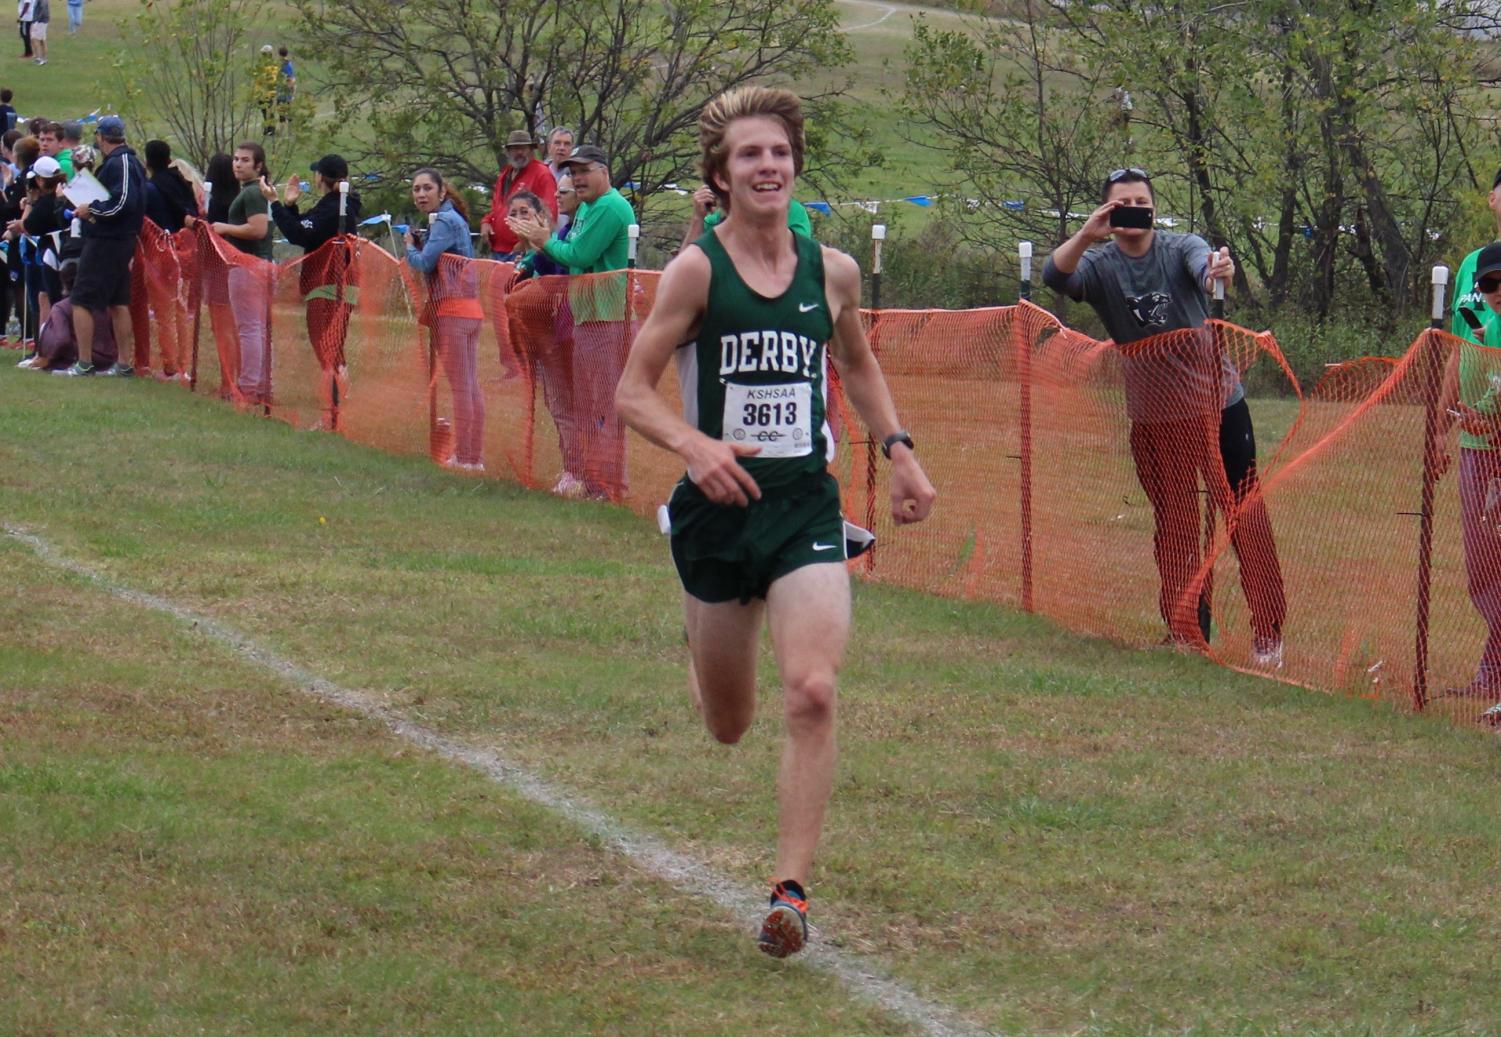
<point>457,342</point>
<point>1482,541</point>
<point>600,348</point>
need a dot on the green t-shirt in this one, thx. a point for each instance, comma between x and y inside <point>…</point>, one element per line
<point>1479,366</point>
<point>797,218</point>
<point>597,243</point>
<point>65,159</point>
<point>250,202</point>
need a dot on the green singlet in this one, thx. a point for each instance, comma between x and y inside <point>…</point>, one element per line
<point>758,368</point>
<point>757,374</point>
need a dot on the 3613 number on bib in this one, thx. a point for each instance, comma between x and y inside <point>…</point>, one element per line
<point>776,418</point>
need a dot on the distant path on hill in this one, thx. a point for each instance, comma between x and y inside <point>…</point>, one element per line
<point>877,12</point>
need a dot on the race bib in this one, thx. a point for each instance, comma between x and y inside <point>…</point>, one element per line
<point>776,418</point>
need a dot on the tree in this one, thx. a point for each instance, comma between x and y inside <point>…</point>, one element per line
<point>185,72</point>
<point>1327,142</point>
<point>1022,120</point>
<point>445,85</point>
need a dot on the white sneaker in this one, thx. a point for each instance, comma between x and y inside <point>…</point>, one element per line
<point>569,485</point>
<point>1266,653</point>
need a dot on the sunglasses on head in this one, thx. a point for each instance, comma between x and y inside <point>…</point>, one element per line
<point>1488,284</point>
<point>1121,174</point>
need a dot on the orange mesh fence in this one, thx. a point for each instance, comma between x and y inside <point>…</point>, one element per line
<point>1393,554</point>
<point>1114,489</point>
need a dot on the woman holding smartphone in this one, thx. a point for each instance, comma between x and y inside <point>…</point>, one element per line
<point>452,312</point>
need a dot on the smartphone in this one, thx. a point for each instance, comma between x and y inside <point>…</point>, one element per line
<point>1475,323</point>
<point>1134,217</point>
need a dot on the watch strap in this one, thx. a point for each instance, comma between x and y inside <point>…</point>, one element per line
<point>892,440</point>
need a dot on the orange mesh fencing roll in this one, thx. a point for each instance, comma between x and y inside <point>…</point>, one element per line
<point>1123,491</point>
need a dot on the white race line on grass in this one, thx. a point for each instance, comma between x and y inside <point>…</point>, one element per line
<point>863,976</point>
<point>871,25</point>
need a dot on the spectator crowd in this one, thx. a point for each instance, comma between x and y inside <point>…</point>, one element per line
<point>77,213</point>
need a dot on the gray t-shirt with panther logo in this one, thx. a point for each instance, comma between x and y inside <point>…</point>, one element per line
<point>1138,297</point>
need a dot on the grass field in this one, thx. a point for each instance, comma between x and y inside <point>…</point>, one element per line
<point>1050,835</point>
<point>1047,834</point>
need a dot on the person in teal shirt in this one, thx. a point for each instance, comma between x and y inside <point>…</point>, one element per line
<point>1471,387</point>
<point>598,243</point>
<point>706,214</point>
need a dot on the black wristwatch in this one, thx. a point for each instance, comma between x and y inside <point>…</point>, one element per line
<point>892,440</point>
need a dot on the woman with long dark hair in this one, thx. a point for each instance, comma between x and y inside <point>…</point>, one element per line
<point>541,326</point>
<point>169,203</point>
<point>444,253</point>
<point>213,273</point>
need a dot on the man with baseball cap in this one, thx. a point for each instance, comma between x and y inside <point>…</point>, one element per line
<point>599,242</point>
<point>110,230</point>
<point>522,173</point>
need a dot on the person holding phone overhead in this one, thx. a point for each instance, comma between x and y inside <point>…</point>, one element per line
<point>1183,396</point>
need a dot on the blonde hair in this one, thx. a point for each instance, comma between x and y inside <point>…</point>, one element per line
<point>745,103</point>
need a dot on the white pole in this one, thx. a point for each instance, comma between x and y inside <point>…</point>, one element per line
<point>633,237</point>
<point>343,202</point>
<point>877,235</point>
<point>1024,253</point>
<point>1440,282</point>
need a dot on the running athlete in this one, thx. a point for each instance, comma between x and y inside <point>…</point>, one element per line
<point>752,312</point>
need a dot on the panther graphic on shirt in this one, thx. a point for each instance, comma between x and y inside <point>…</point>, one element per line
<point>1149,309</point>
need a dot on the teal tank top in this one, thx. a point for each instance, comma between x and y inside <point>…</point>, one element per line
<point>757,373</point>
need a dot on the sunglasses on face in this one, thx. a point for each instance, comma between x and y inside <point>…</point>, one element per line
<point>1117,175</point>
<point>1489,284</point>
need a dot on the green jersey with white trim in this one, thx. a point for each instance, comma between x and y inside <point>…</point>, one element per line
<point>1479,369</point>
<point>757,373</point>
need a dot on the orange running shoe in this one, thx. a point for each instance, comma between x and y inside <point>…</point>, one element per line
<point>785,930</point>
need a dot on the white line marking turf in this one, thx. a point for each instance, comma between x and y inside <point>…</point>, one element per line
<point>863,976</point>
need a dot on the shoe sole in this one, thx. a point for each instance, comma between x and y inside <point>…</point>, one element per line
<point>783,933</point>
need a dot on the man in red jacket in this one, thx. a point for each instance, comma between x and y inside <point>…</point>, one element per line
<point>522,173</point>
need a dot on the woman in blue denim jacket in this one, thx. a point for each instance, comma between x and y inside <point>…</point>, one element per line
<point>452,311</point>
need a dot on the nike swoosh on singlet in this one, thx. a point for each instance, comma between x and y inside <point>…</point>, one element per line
<point>806,307</point>
<point>823,547</point>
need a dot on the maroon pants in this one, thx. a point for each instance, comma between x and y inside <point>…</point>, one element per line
<point>1170,459</point>
<point>327,328</point>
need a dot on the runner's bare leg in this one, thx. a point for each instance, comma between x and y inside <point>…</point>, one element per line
<point>810,623</point>
<point>724,638</point>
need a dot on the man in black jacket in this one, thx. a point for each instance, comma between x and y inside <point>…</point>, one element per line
<point>110,231</point>
<point>327,276</point>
